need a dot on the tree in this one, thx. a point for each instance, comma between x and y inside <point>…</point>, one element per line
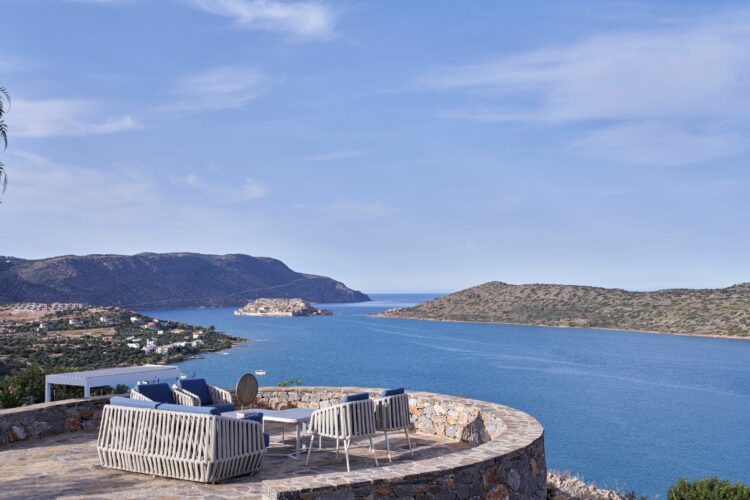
<point>4,97</point>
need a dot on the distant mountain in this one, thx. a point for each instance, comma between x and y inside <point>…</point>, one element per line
<point>150,280</point>
<point>723,311</point>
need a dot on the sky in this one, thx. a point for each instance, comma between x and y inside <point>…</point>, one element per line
<point>396,146</point>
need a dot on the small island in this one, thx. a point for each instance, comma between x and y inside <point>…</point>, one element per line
<point>280,308</point>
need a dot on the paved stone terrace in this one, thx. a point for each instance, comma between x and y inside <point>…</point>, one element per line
<point>67,466</point>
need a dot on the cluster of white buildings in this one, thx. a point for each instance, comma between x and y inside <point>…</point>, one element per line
<point>54,307</point>
<point>151,346</point>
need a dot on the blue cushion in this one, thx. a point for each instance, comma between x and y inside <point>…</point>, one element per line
<point>204,410</point>
<point>156,392</point>
<point>362,396</point>
<point>391,392</point>
<point>266,439</point>
<point>256,416</point>
<point>133,403</point>
<point>222,407</point>
<point>199,387</point>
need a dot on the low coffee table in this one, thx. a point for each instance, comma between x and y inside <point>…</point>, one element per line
<point>297,416</point>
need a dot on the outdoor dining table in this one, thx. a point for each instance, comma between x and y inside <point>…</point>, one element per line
<point>300,417</point>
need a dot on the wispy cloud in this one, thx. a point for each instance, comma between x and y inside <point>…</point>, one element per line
<point>672,78</point>
<point>344,154</point>
<point>655,143</point>
<point>65,117</point>
<point>249,189</point>
<point>226,87</point>
<point>353,211</point>
<point>303,19</point>
<point>41,185</point>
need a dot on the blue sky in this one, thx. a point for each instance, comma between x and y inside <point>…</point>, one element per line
<point>397,146</point>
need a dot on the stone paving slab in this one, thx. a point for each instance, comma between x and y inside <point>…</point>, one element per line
<point>67,466</point>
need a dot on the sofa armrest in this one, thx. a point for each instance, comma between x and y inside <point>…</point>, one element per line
<point>219,395</point>
<point>238,437</point>
<point>137,395</point>
<point>183,397</point>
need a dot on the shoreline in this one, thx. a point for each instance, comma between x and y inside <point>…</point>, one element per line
<point>652,332</point>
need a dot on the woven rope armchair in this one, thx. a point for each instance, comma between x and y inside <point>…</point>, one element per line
<point>392,414</point>
<point>180,445</point>
<point>344,422</point>
<point>218,396</point>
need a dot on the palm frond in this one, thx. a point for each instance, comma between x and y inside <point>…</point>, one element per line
<point>3,178</point>
<point>4,134</point>
<point>5,93</point>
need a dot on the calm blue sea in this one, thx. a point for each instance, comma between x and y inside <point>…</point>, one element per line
<point>627,410</point>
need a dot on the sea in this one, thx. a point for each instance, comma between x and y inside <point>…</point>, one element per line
<point>626,410</point>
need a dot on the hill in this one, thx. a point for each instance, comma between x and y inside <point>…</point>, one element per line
<point>150,281</point>
<point>723,311</point>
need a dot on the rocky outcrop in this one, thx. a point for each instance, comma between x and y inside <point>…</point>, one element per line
<point>157,281</point>
<point>566,486</point>
<point>281,308</point>
<point>719,312</point>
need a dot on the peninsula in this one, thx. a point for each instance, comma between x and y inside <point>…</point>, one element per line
<point>723,312</point>
<point>77,336</point>
<point>161,281</point>
<point>280,308</point>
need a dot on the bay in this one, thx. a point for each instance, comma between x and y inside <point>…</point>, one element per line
<point>635,411</point>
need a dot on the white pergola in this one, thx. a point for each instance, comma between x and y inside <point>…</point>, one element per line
<point>110,376</point>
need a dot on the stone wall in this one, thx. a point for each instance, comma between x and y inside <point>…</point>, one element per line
<point>506,460</point>
<point>44,419</point>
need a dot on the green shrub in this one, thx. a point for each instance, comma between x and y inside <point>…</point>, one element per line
<point>708,488</point>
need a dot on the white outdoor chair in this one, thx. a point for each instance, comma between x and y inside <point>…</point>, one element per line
<point>344,422</point>
<point>392,414</point>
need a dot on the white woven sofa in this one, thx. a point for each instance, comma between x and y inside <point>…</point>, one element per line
<point>181,442</point>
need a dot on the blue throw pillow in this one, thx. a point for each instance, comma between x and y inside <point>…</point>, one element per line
<point>199,387</point>
<point>391,392</point>
<point>156,392</point>
<point>362,396</point>
<point>203,410</point>
<point>256,416</point>
<point>133,403</point>
<point>266,439</point>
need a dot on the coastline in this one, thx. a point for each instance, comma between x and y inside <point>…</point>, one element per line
<point>696,335</point>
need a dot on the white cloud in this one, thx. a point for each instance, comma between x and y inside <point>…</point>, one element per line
<point>303,19</point>
<point>654,143</point>
<point>249,189</point>
<point>219,88</point>
<point>64,117</point>
<point>40,185</point>
<point>675,78</point>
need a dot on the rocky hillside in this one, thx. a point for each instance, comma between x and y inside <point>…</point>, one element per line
<point>724,311</point>
<point>151,280</point>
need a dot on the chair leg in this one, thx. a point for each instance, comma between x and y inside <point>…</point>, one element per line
<point>337,448</point>
<point>388,446</point>
<point>309,449</point>
<point>373,453</point>
<point>346,454</point>
<point>408,440</point>
<point>320,442</point>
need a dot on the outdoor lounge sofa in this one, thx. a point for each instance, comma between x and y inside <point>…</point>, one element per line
<point>182,442</point>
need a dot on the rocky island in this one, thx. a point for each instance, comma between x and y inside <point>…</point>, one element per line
<point>721,312</point>
<point>280,308</point>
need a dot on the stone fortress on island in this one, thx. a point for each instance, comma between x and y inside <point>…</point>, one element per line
<point>280,308</point>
